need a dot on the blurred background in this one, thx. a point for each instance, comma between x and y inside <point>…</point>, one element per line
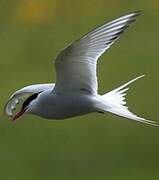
<point>93,146</point>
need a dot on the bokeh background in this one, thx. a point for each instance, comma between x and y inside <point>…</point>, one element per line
<point>95,146</point>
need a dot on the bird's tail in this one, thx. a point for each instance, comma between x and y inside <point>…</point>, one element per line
<point>116,104</point>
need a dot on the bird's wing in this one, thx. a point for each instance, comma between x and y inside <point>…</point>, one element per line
<point>22,93</point>
<point>76,64</point>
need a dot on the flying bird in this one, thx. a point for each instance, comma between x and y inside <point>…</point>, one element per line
<point>76,89</point>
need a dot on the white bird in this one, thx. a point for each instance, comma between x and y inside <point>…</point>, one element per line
<point>75,91</point>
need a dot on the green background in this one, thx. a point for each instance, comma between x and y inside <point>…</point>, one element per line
<point>94,146</point>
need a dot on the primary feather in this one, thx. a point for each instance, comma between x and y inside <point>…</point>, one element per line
<point>76,64</point>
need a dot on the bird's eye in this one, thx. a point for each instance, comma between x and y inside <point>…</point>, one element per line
<point>29,99</point>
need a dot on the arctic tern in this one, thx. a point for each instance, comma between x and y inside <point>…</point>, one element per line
<point>75,91</point>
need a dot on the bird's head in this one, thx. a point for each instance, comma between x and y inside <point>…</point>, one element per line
<point>26,106</point>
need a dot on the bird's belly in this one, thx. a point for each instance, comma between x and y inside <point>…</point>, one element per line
<point>67,112</point>
<point>66,108</point>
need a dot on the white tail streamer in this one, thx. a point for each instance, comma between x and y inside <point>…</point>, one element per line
<point>117,105</point>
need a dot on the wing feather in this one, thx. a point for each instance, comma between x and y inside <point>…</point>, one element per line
<point>76,64</point>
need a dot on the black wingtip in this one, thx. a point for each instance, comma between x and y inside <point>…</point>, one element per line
<point>136,13</point>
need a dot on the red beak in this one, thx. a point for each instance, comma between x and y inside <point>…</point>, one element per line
<point>18,114</point>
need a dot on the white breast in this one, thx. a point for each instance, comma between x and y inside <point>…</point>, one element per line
<point>54,106</point>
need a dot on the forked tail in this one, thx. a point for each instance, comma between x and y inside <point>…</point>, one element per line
<point>116,103</point>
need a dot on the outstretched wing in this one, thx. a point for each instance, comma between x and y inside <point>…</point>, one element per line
<point>23,93</point>
<point>76,64</point>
